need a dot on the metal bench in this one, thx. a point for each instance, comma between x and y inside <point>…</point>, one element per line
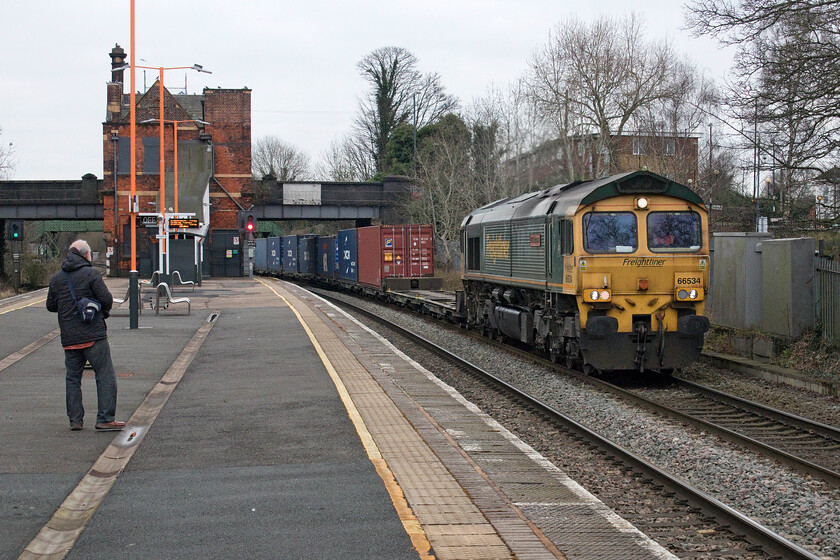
<point>164,287</point>
<point>119,301</point>
<point>177,275</point>
<point>151,282</point>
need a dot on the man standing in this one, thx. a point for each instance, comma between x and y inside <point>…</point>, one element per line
<point>84,341</point>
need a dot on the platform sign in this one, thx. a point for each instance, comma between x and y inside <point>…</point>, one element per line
<point>183,223</point>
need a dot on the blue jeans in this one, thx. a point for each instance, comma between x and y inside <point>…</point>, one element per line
<point>99,356</point>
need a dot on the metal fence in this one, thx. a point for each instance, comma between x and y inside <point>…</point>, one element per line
<point>828,298</point>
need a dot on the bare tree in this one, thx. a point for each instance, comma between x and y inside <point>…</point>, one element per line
<point>509,120</point>
<point>784,89</point>
<point>591,79</point>
<point>398,92</point>
<point>7,159</point>
<point>346,160</point>
<point>446,179</point>
<point>271,156</point>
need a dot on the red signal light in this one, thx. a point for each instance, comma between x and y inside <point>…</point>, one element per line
<point>249,225</point>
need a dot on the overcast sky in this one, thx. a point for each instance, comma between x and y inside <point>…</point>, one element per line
<point>299,58</point>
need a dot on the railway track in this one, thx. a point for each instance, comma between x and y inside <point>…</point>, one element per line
<point>688,509</point>
<point>807,446</point>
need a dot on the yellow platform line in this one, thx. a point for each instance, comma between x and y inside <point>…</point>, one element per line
<point>16,307</point>
<point>407,518</point>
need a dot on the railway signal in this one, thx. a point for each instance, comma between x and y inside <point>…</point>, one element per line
<point>15,230</point>
<point>247,222</point>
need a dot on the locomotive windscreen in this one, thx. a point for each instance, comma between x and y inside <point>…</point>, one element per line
<point>610,232</point>
<point>674,231</point>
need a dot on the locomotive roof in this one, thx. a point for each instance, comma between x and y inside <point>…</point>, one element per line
<point>564,200</point>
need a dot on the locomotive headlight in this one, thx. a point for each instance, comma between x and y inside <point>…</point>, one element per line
<point>596,295</point>
<point>692,294</point>
<point>682,294</point>
<point>642,203</point>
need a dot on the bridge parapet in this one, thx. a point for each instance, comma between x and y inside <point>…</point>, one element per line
<point>45,193</point>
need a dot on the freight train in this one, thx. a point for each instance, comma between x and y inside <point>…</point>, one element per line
<point>609,274</point>
<point>374,259</point>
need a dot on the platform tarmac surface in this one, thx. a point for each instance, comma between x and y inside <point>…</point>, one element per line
<point>268,424</point>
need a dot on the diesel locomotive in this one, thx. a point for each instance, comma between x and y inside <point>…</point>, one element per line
<point>608,274</point>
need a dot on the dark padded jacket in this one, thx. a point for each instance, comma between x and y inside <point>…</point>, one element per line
<point>88,283</point>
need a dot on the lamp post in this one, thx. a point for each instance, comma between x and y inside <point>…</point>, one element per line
<point>165,254</point>
<point>162,206</point>
<point>133,206</point>
<point>133,280</point>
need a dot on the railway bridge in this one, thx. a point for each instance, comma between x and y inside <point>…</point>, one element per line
<point>67,205</point>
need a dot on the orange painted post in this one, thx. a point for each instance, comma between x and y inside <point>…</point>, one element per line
<point>133,283</point>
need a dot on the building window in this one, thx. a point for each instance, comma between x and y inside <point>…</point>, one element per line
<point>670,145</point>
<point>124,156</point>
<point>638,146</point>
<point>151,156</point>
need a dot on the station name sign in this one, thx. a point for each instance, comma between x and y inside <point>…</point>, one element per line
<point>183,223</point>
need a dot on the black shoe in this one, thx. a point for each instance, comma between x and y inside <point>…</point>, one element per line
<point>75,426</point>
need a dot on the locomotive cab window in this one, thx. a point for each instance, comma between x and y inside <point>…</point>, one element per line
<point>610,232</point>
<point>674,232</point>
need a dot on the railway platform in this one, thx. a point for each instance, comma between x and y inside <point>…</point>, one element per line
<point>266,423</point>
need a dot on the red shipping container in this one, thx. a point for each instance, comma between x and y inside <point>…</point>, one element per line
<point>406,251</point>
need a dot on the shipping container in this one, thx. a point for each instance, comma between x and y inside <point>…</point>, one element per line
<point>274,255</point>
<point>396,257</point>
<point>290,254</point>
<point>260,254</point>
<point>306,255</point>
<point>326,257</point>
<point>347,249</point>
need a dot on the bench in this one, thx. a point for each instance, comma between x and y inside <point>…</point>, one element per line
<point>151,282</point>
<point>119,301</point>
<point>164,287</point>
<point>177,275</point>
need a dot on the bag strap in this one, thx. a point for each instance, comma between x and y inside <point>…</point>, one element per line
<point>70,285</point>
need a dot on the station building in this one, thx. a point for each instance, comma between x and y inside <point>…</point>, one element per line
<point>213,171</point>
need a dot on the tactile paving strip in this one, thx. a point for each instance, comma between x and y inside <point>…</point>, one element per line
<point>453,525</point>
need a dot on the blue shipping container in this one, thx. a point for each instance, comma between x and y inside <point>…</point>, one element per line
<point>348,255</point>
<point>274,258</point>
<point>290,254</point>
<point>306,255</point>
<point>260,262</point>
<point>326,257</point>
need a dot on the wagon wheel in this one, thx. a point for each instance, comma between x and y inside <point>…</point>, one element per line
<point>589,369</point>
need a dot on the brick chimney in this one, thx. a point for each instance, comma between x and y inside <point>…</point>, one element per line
<point>115,86</point>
